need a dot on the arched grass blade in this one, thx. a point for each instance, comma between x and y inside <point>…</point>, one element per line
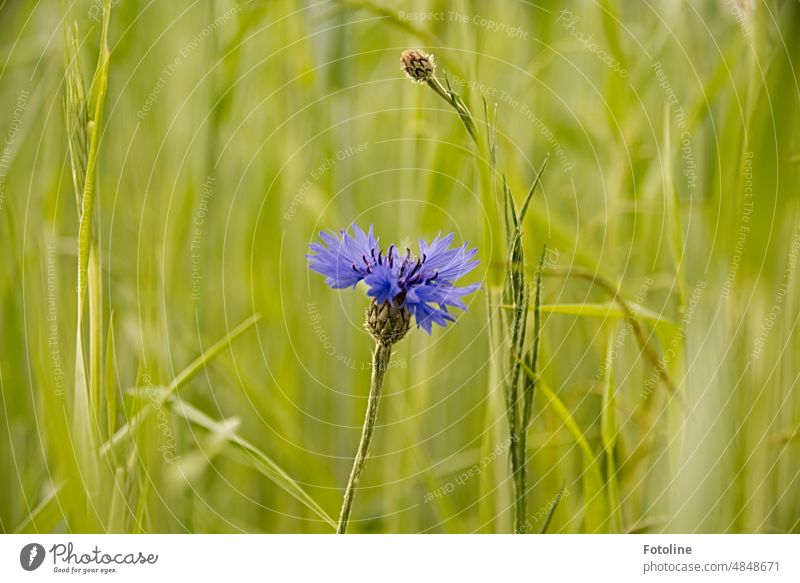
<point>253,455</point>
<point>45,517</point>
<point>552,511</point>
<point>181,379</point>
<point>595,511</point>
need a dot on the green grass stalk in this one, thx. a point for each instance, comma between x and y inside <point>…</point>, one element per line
<point>84,156</point>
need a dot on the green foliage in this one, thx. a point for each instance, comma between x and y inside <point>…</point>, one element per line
<point>206,144</point>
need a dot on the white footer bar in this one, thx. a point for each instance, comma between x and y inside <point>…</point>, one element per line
<point>401,558</point>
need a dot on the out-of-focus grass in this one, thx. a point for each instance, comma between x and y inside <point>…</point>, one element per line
<point>234,131</point>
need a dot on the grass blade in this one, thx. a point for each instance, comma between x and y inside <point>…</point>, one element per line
<point>673,208</point>
<point>181,379</point>
<point>45,517</point>
<point>110,380</point>
<point>607,311</point>
<point>117,507</point>
<point>552,511</point>
<point>595,511</point>
<point>608,436</point>
<point>533,355</point>
<point>536,182</point>
<point>254,456</point>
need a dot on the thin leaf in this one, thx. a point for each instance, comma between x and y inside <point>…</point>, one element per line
<point>528,198</point>
<point>511,209</point>
<point>595,507</point>
<point>181,379</point>
<point>608,435</point>
<point>110,381</point>
<point>95,292</point>
<point>117,508</point>
<point>45,517</point>
<point>552,511</point>
<point>253,455</point>
<point>607,310</point>
<point>533,355</point>
<point>673,208</point>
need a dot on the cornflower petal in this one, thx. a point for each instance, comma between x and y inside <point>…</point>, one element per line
<point>424,285</point>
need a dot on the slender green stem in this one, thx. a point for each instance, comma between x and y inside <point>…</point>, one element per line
<point>380,361</point>
<point>527,395</point>
<point>520,486</point>
<point>461,108</point>
<point>95,330</point>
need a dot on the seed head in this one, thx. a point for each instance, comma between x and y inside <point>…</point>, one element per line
<point>388,322</point>
<point>419,66</point>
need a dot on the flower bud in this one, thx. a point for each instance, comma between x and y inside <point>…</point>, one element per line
<point>418,66</point>
<point>388,322</point>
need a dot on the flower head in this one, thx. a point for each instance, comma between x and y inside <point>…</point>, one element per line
<point>418,66</point>
<point>422,284</point>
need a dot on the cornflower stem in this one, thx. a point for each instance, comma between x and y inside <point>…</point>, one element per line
<point>380,362</point>
<point>455,101</point>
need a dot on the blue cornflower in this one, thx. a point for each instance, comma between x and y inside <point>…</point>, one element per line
<point>421,285</point>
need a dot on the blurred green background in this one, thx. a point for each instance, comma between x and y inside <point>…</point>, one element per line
<point>234,131</point>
